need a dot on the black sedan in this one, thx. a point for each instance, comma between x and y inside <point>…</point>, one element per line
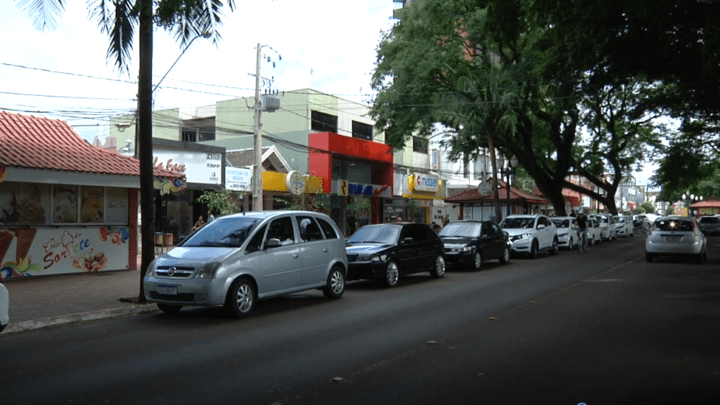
<point>470,243</point>
<point>386,251</point>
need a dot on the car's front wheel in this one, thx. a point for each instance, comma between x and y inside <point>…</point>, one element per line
<point>439,269</point>
<point>554,248</point>
<point>534,250</point>
<point>392,274</point>
<point>169,309</point>
<point>335,283</point>
<point>505,258</point>
<point>241,298</point>
<point>477,262</point>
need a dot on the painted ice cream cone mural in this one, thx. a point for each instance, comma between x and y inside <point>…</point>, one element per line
<point>23,264</point>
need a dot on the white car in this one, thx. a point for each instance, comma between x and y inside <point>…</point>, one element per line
<point>567,232</point>
<point>676,236</point>
<point>594,235</point>
<point>624,226</point>
<point>607,226</point>
<point>530,234</point>
<point>4,305</point>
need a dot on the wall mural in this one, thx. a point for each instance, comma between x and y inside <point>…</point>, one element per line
<point>34,251</point>
<point>167,186</point>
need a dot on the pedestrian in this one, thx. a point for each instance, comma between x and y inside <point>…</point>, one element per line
<point>436,227</point>
<point>398,218</point>
<point>446,220</point>
<point>199,223</point>
<point>582,223</point>
<point>363,219</point>
<point>211,217</point>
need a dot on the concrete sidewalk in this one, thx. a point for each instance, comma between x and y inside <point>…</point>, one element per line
<point>41,302</point>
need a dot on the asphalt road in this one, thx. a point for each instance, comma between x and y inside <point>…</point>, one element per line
<point>603,327</point>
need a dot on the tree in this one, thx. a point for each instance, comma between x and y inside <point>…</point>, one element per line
<point>119,19</point>
<point>648,207</point>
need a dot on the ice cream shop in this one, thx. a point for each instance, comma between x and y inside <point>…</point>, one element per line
<point>66,206</point>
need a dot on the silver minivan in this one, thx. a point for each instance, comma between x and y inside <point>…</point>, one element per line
<point>237,259</point>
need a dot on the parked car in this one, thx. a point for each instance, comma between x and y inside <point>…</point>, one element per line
<point>4,305</point>
<point>238,259</point>
<point>624,226</point>
<point>530,234</point>
<point>471,243</point>
<point>676,236</point>
<point>387,251</point>
<point>607,226</point>
<point>594,235</point>
<point>567,232</point>
<point>710,224</point>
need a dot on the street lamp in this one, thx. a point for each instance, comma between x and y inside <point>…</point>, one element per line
<point>508,172</point>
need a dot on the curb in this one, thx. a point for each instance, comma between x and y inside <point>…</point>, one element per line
<point>77,318</point>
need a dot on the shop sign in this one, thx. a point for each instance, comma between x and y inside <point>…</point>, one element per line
<point>295,182</point>
<point>238,179</point>
<point>485,188</point>
<point>426,182</point>
<point>370,190</point>
<point>198,167</point>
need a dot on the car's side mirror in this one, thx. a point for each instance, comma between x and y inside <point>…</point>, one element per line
<point>541,226</point>
<point>273,243</point>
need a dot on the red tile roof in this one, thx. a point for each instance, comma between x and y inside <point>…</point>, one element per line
<point>711,202</point>
<point>43,143</point>
<point>515,194</point>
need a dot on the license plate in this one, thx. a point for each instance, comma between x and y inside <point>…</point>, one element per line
<point>673,238</point>
<point>167,290</point>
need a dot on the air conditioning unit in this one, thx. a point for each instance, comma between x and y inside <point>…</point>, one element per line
<point>269,103</point>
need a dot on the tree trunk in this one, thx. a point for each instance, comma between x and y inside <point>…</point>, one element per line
<point>147,195</point>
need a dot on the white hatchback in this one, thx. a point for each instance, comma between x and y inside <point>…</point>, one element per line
<point>530,234</point>
<point>624,226</point>
<point>676,236</point>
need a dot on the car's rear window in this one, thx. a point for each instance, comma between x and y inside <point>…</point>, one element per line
<point>461,229</point>
<point>674,225</point>
<point>709,220</point>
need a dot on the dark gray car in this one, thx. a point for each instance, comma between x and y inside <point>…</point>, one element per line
<point>710,224</point>
<point>237,259</point>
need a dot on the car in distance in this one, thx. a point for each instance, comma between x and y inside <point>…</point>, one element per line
<point>471,243</point>
<point>607,226</point>
<point>530,234</point>
<point>710,224</point>
<point>567,232</point>
<point>387,251</point>
<point>624,226</point>
<point>4,305</point>
<point>676,236</point>
<point>237,259</point>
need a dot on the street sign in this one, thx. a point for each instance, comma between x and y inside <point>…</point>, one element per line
<point>485,189</point>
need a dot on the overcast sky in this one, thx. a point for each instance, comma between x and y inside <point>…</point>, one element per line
<point>327,45</point>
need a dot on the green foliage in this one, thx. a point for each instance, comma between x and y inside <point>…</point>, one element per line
<point>223,202</point>
<point>648,207</point>
<point>639,210</point>
<point>670,210</point>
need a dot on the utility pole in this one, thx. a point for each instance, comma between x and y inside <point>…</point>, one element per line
<point>257,192</point>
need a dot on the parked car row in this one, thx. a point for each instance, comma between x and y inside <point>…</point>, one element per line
<point>237,259</point>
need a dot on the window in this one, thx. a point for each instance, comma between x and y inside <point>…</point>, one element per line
<point>24,203</point>
<point>65,204</point>
<point>92,205</point>
<point>362,131</point>
<point>323,122</point>
<point>420,145</point>
<point>309,229</point>
<point>327,229</point>
<point>254,244</point>
<point>282,229</point>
